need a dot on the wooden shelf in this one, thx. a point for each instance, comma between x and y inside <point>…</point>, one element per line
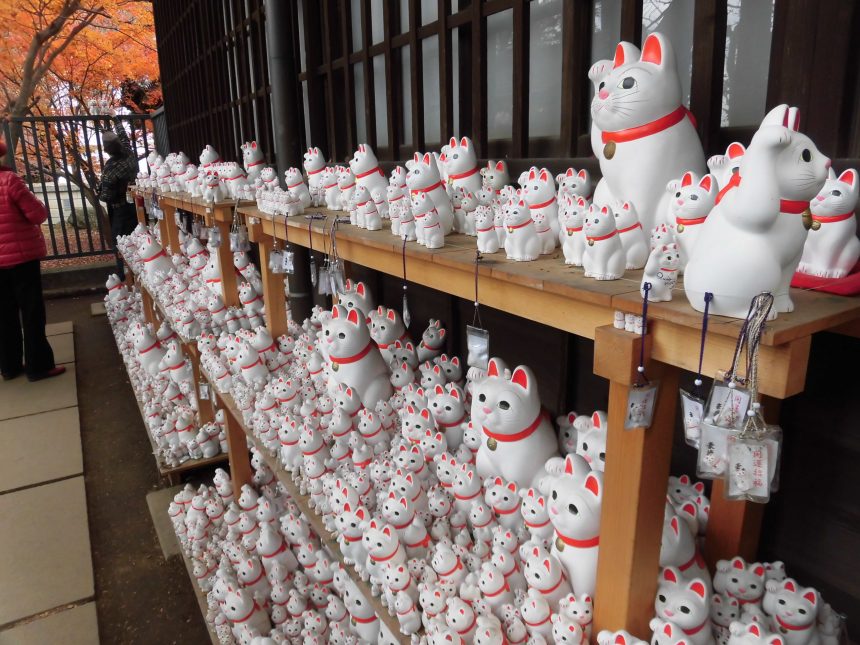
<point>201,598</point>
<point>327,538</point>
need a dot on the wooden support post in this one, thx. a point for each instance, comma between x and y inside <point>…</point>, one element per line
<point>140,209</point>
<point>273,292</point>
<point>168,226</point>
<point>634,495</point>
<point>734,527</point>
<point>229,290</point>
<point>237,450</point>
<point>148,309</point>
<point>205,413</point>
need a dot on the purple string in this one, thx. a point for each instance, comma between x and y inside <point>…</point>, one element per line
<point>646,287</point>
<point>477,314</point>
<point>708,297</point>
<point>404,262</point>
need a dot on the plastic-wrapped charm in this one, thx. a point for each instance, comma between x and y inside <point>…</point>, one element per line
<point>752,465</point>
<point>313,270</point>
<point>713,444</point>
<point>478,345</point>
<point>692,411</point>
<point>276,261</point>
<point>203,388</point>
<point>727,404</point>
<point>288,262</point>
<point>641,401</point>
<point>196,228</point>
<point>215,237</point>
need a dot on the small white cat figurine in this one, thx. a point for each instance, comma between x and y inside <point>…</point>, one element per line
<point>690,205</point>
<point>661,271</point>
<point>574,183</point>
<point>366,169</point>
<point>539,193</point>
<point>461,165</point>
<point>521,242</point>
<point>488,241</point>
<point>632,235</point>
<point>832,248</point>
<point>495,175</point>
<point>423,178</point>
<point>573,244</point>
<point>604,257</point>
<point>434,237</point>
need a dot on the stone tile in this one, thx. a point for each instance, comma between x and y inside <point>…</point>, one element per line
<point>97,309</point>
<point>64,348</point>
<point>52,329</point>
<point>39,448</point>
<point>158,501</point>
<point>19,396</point>
<point>45,557</point>
<point>75,626</point>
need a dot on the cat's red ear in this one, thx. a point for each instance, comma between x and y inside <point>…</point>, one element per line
<point>521,378</point>
<point>452,143</point>
<point>754,629</point>
<point>592,484</point>
<point>352,316</point>
<point>359,288</point>
<point>811,596</point>
<point>736,150</point>
<point>595,420</point>
<point>698,588</point>
<point>618,60</point>
<point>464,142</point>
<point>582,174</point>
<point>427,158</point>
<point>569,172</point>
<point>849,177</point>
<point>652,50</point>
<point>544,176</point>
<point>687,179</point>
<point>669,575</point>
<point>493,368</point>
<point>500,165</point>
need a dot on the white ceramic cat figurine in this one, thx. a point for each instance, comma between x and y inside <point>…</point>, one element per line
<point>346,184</point>
<point>756,232</point>
<point>372,217</point>
<point>661,271</point>
<point>632,235</point>
<point>686,604</point>
<point>691,203</point>
<point>297,187</point>
<point>832,248</point>
<point>574,183</point>
<point>495,175</point>
<point>354,359</point>
<point>521,242</point>
<point>643,135</point>
<point>313,162</point>
<point>488,241</point>
<point>252,160</point>
<point>366,169</point>
<point>423,177</point>
<point>793,611</point>
<point>573,244</point>
<point>461,165</point>
<point>518,437</point>
<point>546,236</point>
<point>574,500</point>
<point>724,167</point>
<point>434,237</point>
<point>604,257</point>
<point>539,193</point>
<point>737,579</point>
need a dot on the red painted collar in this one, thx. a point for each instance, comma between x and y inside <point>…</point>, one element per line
<point>370,172</point>
<point>256,163</point>
<point>470,627</point>
<point>365,621</point>
<point>543,622</point>
<point>453,569</point>
<point>599,238</point>
<point>296,185</point>
<point>792,206</point>
<point>572,229</point>
<point>554,587</point>
<point>536,526</point>
<point>696,630</point>
<point>463,175</point>
<point>438,184</point>
<point>647,129</point>
<point>506,512</point>
<point>314,172</point>
<point>484,230</point>
<point>161,253</point>
<point>466,498</point>
<point>793,628</point>
<point>697,559</point>
<point>501,590</point>
<point>455,424</point>
<point>513,227</point>
<point>522,434</point>
<point>151,347</point>
<point>255,608</point>
<point>543,204</point>
<point>691,222</point>
<point>579,544</point>
<point>630,228</point>
<point>385,558</point>
<point>355,357</point>
<point>829,219</point>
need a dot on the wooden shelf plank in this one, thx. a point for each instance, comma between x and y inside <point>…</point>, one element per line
<point>200,596</point>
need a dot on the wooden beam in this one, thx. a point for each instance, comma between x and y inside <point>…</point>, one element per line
<point>709,52</point>
<point>520,125</point>
<point>237,449</point>
<point>479,79</point>
<point>634,495</point>
<point>273,291</point>
<point>169,228</point>
<point>229,289</point>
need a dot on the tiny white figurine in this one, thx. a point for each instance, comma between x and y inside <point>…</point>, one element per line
<point>314,163</point>
<point>604,257</point>
<point>572,219</point>
<point>674,592</point>
<point>252,160</point>
<point>661,272</point>
<point>423,178</point>
<point>691,203</point>
<point>832,248</point>
<point>539,193</point>
<point>488,241</point>
<point>461,165</point>
<point>495,176</point>
<point>574,183</point>
<point>632,235</point>
<point>521,242</point>
<point>366,169</point>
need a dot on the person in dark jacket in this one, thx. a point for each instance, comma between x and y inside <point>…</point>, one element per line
<point>23,344</point>
<point>119,171</point>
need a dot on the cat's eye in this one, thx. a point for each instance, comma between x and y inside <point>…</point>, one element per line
<point>554,495</point>
<point>781,601</point>
<point>572,509</point>
<point>685,610</point>
<point>584,446</point>
<point>662,598</point>
<point>801,611</point>
<point>601,86</point>
<point>628,83</point>
<point>327,332</point>
<point>341,335</point>
<point>678,194</point>
<point>597,221</point>
<point>482,398</point>
<point>694,197</point>
<point>836,193</point>
<point>735,580</point>
<point>504,405</point>
<point>602,456</point>
<point>806,155</point>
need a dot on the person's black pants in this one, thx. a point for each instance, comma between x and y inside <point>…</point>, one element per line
<point>123,220</point>
<point>22,321</point>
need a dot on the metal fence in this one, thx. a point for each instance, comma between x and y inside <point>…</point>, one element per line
<point>61,159</point>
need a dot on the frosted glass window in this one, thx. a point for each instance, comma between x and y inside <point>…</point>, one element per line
<point>380,101</point>
<point>404,16</point>
<point>545,68</point>
<point>500,88</point>
<point>749,29</point>
<point>430,66</point>
<point>673,19</point>
<point>360,111</point>
<point>307,114</point>
<point>302,35</point>
<point>429,11</point>
<point>377,27</point>
<point>606,28</point>
<point>406,89</point>
<point>355,17</point>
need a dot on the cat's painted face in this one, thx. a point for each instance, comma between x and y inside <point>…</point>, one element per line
<point>506,406</point>
<point>682,602</point>
<point>838,196</point>
<point>495,174</point>
<point>794,605</point>
<point>516,212</point>
<point>591,446</point>
<point>423,171</point>
<point>724,610</point>
<point>598,221</point>
<point>635,92</point>
<point>460,155</point>
<point>539,186</point>
<point>345,331</point>
<point>625,215</point>
<point>313,159</point>
<point>574,499</point>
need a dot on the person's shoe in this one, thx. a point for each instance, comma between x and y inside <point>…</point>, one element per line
<point>56,371</point>
<point>8,376</point>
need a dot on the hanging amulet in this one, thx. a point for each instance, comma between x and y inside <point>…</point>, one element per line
<point>609,150</point>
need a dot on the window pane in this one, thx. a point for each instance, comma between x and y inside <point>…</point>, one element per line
<point>606,28</point>
<point>406,85</point>
<point>500,62</point>
<point>307,114</point>
<point>302,35</point>
<point>748,34</point>
<point>355,16</point>
<point>429,11</point>
<point>360,112</point>
<point>545,68</point>
<point>674,19</point>
<point>376,24</point>
<point>430,67</point>
<point>404,16</point>
<point>380,101</point>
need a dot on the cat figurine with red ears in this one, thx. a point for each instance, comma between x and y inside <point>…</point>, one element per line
<point>518,438</point>
<point>832,248</point>
<point>632,235</point>
<point>685,604</point>
<point>366,169</point>
<point>756,232</point>
<point>461,165</point>
<point>521,242</point>
<point>604,257</point>
<point>691,203</point>
<point>423,178</point>
<point>540,195</point>
<point>354,359</point>
<point>793,611</point>
<point>574,183</point>
<point>495,175</point>
<point>661,272</point>
<point>314,163</point>
<point>724,167</point>
<point>642,134</point>
<point>737,579</point>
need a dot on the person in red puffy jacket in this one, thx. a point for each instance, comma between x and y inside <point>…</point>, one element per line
<point>23,344</point>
